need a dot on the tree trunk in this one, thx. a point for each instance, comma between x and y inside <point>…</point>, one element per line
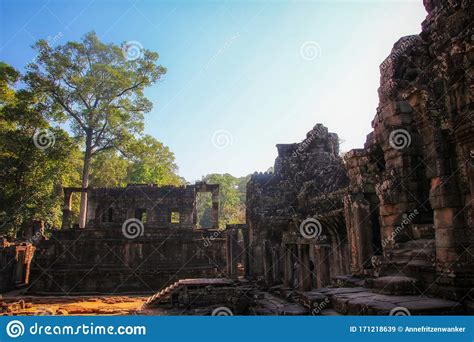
<point>85,181</point>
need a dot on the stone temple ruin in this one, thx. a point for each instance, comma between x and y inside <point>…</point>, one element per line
<point>137,239</point>
<point>390,225</point>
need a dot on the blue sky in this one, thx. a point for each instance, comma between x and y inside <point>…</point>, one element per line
<point>241,77</point>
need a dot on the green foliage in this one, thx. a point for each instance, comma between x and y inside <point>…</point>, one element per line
<point>144,160</point>
<point>231,200</point>
<point>97,90</point>
<point>99,93</point>
<point>152,162</point>
<point>93,86</point>
<point>109,169</point>
<point>8,77</point>
<point>31,179</point>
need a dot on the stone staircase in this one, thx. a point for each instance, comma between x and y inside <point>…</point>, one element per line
<point>363,301</point>
<point>408,268</point>
<point>161,296</point>
<point>401,278</point>
<point>165,296</point>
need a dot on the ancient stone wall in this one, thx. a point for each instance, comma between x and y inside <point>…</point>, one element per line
<point>424,126</point>
<point>103,260</point>
<point>398,211</point>
<point>140,238</point>
<point>295,215</point>
<point>164,207</point>
<point>15,260</point>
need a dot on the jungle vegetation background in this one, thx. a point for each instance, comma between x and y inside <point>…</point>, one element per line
<point>73,91</point>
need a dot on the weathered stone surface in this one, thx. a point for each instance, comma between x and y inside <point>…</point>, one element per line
<point>159,246</point>
<point>400,208</point>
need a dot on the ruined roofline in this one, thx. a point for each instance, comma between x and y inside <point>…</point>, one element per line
<point>261,176</point>
<point>318,131</point>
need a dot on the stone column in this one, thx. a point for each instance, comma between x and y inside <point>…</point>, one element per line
<point>267,263</point>
<point>322,266</point>
<point>305,267</point>
<point>359,232</point>
<point>232,251</point>
<point>288,266</point>
<point>246,256</point>
<point>215,208</point>
<point>66,223</point>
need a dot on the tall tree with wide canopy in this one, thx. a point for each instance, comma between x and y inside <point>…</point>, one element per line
<point>30,178</point>
<point>98,88</point>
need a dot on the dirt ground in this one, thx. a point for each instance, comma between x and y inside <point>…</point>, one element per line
<point>13,303</point>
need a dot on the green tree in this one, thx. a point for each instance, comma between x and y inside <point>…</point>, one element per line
<point>109,169</point>
<point>144,160</point>
<point>231,200</point>
<point>152,162</point>
<point>31,178</point>
<point>98,90</point>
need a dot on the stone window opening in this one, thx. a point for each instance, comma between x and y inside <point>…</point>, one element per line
<point>204,210</point>
<point>175,217</point>
<point>141,214</point>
